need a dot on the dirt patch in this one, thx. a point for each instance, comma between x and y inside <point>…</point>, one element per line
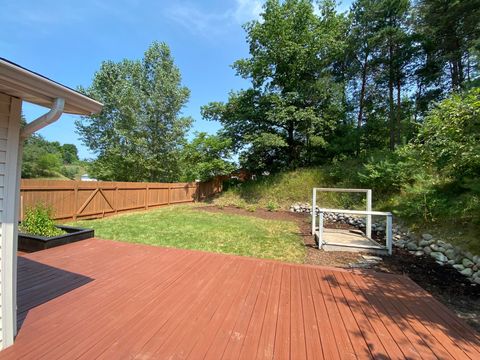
<point>443,282</point>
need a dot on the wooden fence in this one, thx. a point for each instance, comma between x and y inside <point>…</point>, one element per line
<point>72,200</point>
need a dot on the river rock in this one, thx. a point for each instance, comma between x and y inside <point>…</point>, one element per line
<point>476,280</point>
<point>467,272</point>
<point>427,237</point>
<point>459,267</point>
<point>476,259</point>
<point>424,243</point>
<point>412,246</point>
<point>435,247</point>
<point>419,253</point>
<point>450,253</point>
<point>427,250</point>
<point>438,256</point>
<point>467,263</point>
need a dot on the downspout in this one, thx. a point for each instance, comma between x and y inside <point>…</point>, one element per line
<point>55,112</point>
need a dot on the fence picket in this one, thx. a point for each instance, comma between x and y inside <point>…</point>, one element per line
<point>72,200</point>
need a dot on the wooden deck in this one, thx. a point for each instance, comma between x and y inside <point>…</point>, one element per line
<point>108,300</point>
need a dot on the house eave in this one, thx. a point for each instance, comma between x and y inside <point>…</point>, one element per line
<point>29,86</point>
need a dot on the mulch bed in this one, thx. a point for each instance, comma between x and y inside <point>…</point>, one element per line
<point>443,282</point>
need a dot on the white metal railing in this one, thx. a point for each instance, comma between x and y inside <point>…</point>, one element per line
<point>368,192</point>
<point>388,229</point>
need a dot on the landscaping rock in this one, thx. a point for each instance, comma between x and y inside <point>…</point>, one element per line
<point>459,267</point>
<point>424,243</point>
<point>427,250</point>
<point>451,254</point>
<point>419,253</point>
<point>412,246</point>
<point>476,259</point>
<point>372,258</point>
<point>435,247</point>
<point>427,237</point>
<point>476,280</point>
<point>467,262</point>
<point>467,272</point>
<point>439,256</point>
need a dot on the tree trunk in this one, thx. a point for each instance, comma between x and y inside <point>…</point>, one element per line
<point>361,101</point>
<point>399,111</point>
<point>291,146</point>
<point>390,97</point>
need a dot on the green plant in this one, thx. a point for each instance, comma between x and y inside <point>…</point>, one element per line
<point>272,206</point>
<point>38,221</point>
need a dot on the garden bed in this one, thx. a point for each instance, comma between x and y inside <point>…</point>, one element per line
<point>30,243</point>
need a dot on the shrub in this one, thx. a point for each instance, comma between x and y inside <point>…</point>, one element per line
<point>272,206</point>
<point>386,173</point>
<point>38,221</point>
<point>450,136</point>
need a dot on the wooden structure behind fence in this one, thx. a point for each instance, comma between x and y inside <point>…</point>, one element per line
<point>72,200</point>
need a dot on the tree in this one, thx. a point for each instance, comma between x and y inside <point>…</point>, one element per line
<point>294,102</point>
<point>41,158</point>
<point>450,33</point>
<point>69,153</point>
<point>206,157</point>
<point>139,134</point>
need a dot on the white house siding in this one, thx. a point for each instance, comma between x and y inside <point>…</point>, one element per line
<point>10,110</point>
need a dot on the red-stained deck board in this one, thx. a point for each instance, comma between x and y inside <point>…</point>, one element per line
<point>98,299</point>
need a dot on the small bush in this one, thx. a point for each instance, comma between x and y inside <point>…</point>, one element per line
<point>272,206</point>
<point>38,221</point>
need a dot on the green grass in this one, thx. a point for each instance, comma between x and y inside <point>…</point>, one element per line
<point>427,205</point>
<point>283,189</point>
<point>185,227</point>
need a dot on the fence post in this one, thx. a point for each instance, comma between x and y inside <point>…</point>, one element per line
<point>146,196</point>
<point>389,234</point>
<point>115,198</point>
<point>75,201</point>
<point>314,206</point>
<point>320,229</point>
<point>369,216</point>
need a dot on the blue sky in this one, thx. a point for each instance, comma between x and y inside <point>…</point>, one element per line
<point>67,41</point>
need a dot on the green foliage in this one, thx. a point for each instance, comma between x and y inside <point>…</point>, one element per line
<point>139,134</point>
<point>280,190</point>
<point>206,156</point>
<point>450,136</point>
<point>38,221</point>
<point>294,102</point>
<point>42,158</point>
<point>449,34</point>
<point>188,228</point>
<point>272,206</point>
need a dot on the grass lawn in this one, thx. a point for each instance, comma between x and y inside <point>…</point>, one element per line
<point>184,227</point>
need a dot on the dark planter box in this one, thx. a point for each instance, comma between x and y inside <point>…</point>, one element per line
<point>27,242</point>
